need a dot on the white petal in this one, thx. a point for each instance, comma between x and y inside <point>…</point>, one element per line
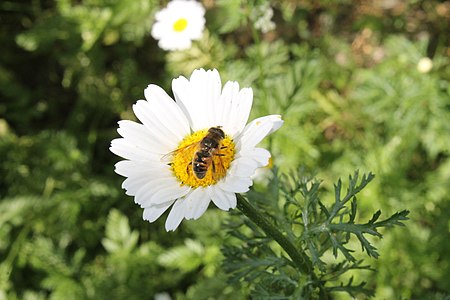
<point>151,214</point>
<point>180,89</point>
<point>138,135</point>
<point>222,199</point>
<point>260,155</point>
<point>183,6</point>
<point>197,103</point>
<point>276,121</point>
<point>176,215</point>
<point>245,101</point>
<point>235,184</point>
<point>224,105</point>
<point>171,193</point>
<point>211,94</point>
<point>256,130</point>
<point>158,30</point>
<point>197,96</point>
<point>139,177</point>
<point>167,112</point>
<point>128,168</point>
<point>243,167</point>
<point>171,43</point>
<point>127,150</point>
<point>238,110</point>
<point>253,135</point>
<point>157,131</point>
<point>133,184</point>
<point>163,14</point>
<point>145,193</point>
<point>196,203</point>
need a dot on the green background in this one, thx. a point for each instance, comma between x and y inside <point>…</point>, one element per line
<point>343,74</point>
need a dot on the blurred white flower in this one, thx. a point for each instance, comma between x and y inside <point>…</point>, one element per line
<point>262,16</point>
<point>162,296</point>
<point>425,64</point>
<point>193,150</point>
<point>178,24</point>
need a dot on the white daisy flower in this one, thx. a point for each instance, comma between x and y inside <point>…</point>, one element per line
<point>178,24</point>
<point>191,151</point>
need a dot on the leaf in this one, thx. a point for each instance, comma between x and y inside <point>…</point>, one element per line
<point>119,238</point>
<point>232,15</point>
<point>186,258</point>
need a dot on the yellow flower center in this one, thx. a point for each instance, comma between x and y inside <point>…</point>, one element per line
<point>217,163</point>
<point>180,25</point>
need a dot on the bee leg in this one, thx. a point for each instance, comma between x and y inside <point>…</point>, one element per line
<point>219,154</point>
<point>187,167</point>
<point>223,147</point>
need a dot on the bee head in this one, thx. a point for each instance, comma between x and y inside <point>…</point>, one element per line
<point>217,131</point>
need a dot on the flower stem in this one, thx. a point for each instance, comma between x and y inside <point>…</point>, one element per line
<point>299,258</point>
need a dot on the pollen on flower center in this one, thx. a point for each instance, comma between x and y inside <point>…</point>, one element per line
<point>187,151</point>
<point>180,25</point>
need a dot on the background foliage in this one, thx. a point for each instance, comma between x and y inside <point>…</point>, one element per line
<point>345,75</point>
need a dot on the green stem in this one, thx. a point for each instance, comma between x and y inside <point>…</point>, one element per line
<point>299,258</point>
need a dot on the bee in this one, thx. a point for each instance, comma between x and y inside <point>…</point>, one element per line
<point>206,149</point>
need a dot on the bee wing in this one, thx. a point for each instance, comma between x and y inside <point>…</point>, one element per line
<point>169,156</point>
<point>218,168</point>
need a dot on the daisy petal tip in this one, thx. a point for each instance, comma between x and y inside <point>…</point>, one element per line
<point>197,73</point>
<point>214,73</point>
<point>171,227</point>
<point>138,106</point>
<point>153,92</point>
<point>179,79</point>
<point>277,122</point>
<point>247,91</point>
<point>145,217</point>
<point>116,165</point>
<point>149,88</point>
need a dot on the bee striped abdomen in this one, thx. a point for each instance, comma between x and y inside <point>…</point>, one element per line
<point>201,163</point>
